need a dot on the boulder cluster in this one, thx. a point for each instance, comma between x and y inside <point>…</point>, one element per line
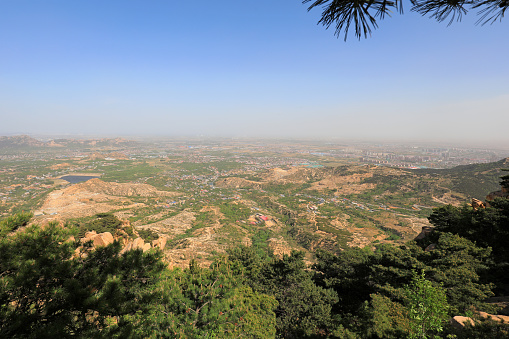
<point>106,238</point>
<point>503,193</point>
<point>460,322</point>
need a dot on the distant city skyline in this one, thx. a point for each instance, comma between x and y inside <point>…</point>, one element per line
<point>247,69</point>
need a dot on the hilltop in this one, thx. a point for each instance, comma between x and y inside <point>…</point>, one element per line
<point>25,141</point>
<point>96,196</point>
<point>473,180</point>
<point>19,141</point>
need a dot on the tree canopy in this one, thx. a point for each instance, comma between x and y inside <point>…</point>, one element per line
<point>363,14</point>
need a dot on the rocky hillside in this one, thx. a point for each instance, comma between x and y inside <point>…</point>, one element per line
<point>25,141</point>
<point>19,141</point>
<point>95,196</point>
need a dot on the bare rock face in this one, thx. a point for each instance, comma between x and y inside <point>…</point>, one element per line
<point>503,193</point>
<point>138,243</point>
<point>460,322</point>
<point>498,318</point>
<point>117,189</point>
<point>476,203</point>
<point>160,243</point>
<point>95,196</point>
<point>146,247</point>
<point>497,194</point>
<point>424,232</point>
<point>127,247</point>
<point>103,239</point>
<point>90,235</point>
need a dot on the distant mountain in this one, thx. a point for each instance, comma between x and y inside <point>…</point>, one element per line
<point>474,180</point>
<point>92,142</point>
<point>24,141</point>
<point>19,141</point>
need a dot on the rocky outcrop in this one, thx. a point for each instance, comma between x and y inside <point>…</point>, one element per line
<point>498,318</point>
<point>503,193</point>
<point>424,232</point>
<point>118,189</point>
<point>159,243</point>
<point>101,239</point>
<point>95,196</point>
<point>136,244</point>
<point>476,204</point>
<point>460,322</point>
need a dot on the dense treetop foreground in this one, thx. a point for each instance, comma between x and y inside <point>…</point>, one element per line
<point>51,285</point>
<point>363,15</point>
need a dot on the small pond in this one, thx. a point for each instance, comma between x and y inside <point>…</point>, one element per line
<point>74,179</point>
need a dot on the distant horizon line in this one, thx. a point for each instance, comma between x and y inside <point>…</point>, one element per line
<point>470,143</point>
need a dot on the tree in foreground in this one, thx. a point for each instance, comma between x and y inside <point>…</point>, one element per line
<point>206,303</point>
<point>487,227</point>
<point>304,309</point>
<point>363,14</point>
<point>427,307</point>
<point>47,290</point>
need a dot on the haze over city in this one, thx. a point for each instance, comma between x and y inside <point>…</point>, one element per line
<point>247,69</point>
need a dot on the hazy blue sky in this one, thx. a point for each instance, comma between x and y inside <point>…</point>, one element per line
<point>246,68</point>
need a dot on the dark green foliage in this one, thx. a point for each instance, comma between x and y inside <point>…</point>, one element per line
<point>348,273</point>
<point>474,180</point>
<point>47,291</point>
<point>487,227</point>
<point>386,318</point>
<point>148,235</point>
<point>259,241</point>
<point>250,263</point>
<point>207,303</point>
<point>363,15</point>
<point>505,179</point>
<point>101,222</point>
<point>14,222</point>
<point>392,268</point>
<point>457,263</point>
<point>304,309</point>
<point>381,280</point>
<point>422,313</point>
